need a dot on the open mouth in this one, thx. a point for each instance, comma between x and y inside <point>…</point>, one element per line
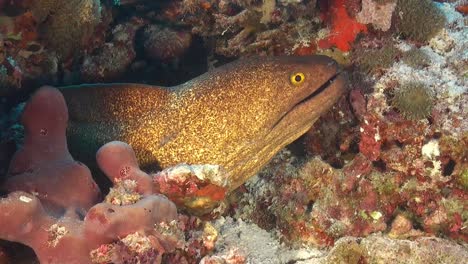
<point>318,91</point>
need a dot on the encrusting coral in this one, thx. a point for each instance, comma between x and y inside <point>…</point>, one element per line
<point>30,216</point>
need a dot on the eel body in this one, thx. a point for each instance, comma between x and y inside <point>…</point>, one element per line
<point>238,115</point>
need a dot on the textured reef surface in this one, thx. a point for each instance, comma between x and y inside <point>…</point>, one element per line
<point>382,177</point>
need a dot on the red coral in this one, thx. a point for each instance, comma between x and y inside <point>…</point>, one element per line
<point>371,142</point>
<point>184,187</point>
<point>344,29</point>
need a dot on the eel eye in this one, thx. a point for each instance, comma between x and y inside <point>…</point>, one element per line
<point>297,78</point>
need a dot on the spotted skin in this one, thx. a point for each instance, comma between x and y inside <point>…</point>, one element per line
<point>237,116</point>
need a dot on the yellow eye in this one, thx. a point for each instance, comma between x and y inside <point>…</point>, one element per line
<point>297,78</point>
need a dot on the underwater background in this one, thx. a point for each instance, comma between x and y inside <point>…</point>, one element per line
<point>369,164</point>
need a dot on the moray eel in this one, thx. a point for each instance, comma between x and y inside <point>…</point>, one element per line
<point>238,115</point>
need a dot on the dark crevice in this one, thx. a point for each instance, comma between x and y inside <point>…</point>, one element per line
<point>449,167</point>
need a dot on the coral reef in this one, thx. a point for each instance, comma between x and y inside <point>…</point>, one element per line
<point>196,188</point>
<point>377,249</point>
<point>383,174</point>
<point>113,59</point>
<point>378,172</point>
<point>245,27</point>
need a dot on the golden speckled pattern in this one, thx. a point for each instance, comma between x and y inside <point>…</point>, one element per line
<point>238,115</point>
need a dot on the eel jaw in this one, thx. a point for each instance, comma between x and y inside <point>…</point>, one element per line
<point>296,122</point>
<point>330,84</point>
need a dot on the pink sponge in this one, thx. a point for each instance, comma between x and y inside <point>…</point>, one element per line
<point>45,182</point>
<point>118,161</point>
<point>44,166</point>
<point>71,240</point>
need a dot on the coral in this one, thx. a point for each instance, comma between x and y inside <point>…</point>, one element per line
<point>455,154</point>
<point>58,216</point>
<point>67,25</point>
<point>23,58</point>
<point>117,160</point>
<point>377,14</point>
<point>419,20</point>
<point>416,58</point>
<point>344,29</point>
<point>165,44</point>
<point>442,42</point>
<point>200,189</point>
<point>114,57</point>
<point>414,100</point>
<point>70,240</point>
<point>244,27</point>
